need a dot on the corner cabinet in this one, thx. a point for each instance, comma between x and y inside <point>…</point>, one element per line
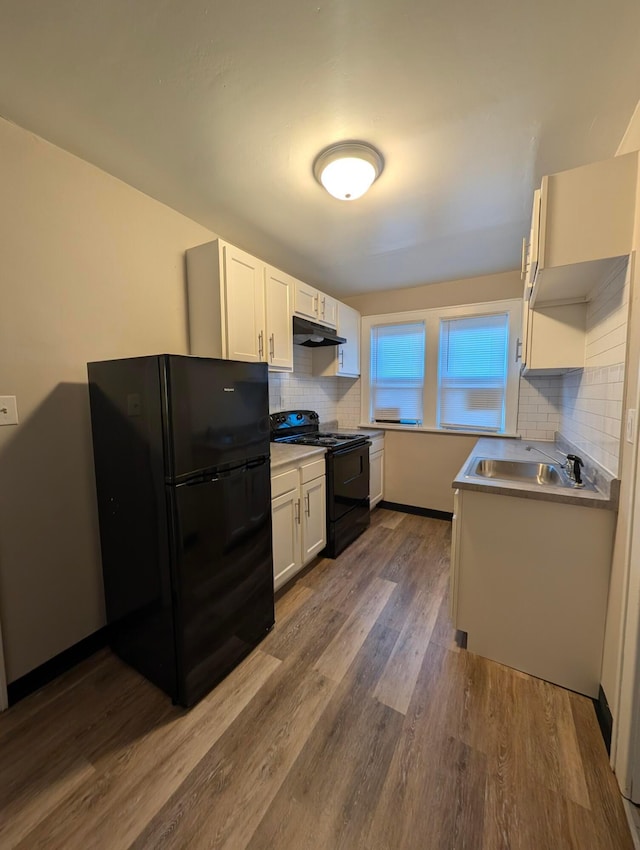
<point>239,308</point>
<point>582,221</point>
<point>312,304</point>
<point>341,360</point>
<point>298,515</point>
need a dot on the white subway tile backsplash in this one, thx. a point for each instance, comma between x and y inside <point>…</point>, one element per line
<point>301,390</point>
<point>539,408</point>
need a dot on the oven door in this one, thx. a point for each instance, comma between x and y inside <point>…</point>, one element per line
<point>347,480</point>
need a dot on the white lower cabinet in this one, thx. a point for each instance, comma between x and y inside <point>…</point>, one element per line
<point>314,518</point>
<point>298,516</point>
<point>376,471</point>
<point>287,559</point>
<point>529,584</point>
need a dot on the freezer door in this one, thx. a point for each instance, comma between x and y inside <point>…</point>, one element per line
<point>217,413</point>
<point>223,575</point>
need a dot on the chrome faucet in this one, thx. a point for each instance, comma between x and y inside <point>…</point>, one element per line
<point>554,459</point>
<point>571,465</point>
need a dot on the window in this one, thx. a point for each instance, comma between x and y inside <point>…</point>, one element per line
<point>450,369</point>
<point>397,373</point>
<point>472,373</point>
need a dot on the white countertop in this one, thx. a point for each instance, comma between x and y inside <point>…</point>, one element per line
<point>285,453</point>
<point>507,449</point>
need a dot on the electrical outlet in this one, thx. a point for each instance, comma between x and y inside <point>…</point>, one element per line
<point>631,425</point>
<point>8,410</point>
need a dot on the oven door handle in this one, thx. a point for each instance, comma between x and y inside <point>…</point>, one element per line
<point>348,449</point>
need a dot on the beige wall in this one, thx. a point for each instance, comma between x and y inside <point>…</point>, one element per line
<point>491,287</point>
<point>91,269</point>
<point>419,467</point>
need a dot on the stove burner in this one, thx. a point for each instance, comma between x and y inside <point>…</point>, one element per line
<point>300,427</point>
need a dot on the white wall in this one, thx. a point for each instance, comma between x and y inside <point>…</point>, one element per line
<point>91,269</point>
<point>622,634</point>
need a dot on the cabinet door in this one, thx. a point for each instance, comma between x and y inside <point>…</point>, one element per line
<point>279,310</point>
<point>244,306</point>
<point>349,353</point>
<point>327,310</point>
<point>556,338</point>
<point>376,478</point>
<point>314,518</point>
<point>306,300</point>
<point>534,245</point>
<point>285,520</point>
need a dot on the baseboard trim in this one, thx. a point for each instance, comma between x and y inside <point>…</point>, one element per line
<point>605,718</point>
<point>411,509</point>
<point>56,666</point>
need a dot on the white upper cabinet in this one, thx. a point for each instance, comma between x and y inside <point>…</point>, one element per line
<point>585,222</point>
<point>312,304</point>
<point>344,359</point>
<point>245,308</point>
<point>530,266</point>
<point>306,301</point>
<point>554,338</point>
<point>279,289</point>
<point>349,353</point>
<point>328,310</point>
<point>239,308</point>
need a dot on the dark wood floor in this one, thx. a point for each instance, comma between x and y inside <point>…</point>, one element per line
<point>359,724</point>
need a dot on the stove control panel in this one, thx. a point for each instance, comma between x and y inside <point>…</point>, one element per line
<point>306,420</point>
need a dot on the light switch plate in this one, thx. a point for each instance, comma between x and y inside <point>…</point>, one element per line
<point>631,425</point>
<point>8,410</point>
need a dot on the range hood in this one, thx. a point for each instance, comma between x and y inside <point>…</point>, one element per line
<point>313,335</point>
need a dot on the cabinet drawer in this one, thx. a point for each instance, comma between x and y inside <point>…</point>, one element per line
<point>284,482</point>
<point>377,445</point>
<point>311,471</point>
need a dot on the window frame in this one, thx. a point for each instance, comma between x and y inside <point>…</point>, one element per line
<point>431,318</point>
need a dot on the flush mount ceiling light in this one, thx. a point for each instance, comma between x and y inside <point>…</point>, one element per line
<point>347,169</point>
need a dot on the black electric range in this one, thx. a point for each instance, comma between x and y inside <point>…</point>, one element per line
<point>347,466</point>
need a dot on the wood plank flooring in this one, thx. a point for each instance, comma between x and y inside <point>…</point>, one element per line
<point>359,724</point>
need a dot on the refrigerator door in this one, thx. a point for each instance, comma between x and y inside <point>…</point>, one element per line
<point>217,414</point>
<point>223,574</point>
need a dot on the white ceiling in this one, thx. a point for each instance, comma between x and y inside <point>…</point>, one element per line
<point>219,110</point>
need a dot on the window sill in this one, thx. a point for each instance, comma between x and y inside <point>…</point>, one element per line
<point>382,426</point>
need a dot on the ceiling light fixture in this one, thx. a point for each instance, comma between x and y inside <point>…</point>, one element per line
<point>347,169</point>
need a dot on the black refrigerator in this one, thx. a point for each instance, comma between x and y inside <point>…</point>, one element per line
<point>181,454</point>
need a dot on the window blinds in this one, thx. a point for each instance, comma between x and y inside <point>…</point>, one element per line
<point>472,372</point>
<point>397,373</point>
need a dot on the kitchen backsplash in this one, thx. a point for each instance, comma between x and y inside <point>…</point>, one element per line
<point>300,390</point>
<point>539,409</point>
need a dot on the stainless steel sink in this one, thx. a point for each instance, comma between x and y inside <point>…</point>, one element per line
<point>524,471</point>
